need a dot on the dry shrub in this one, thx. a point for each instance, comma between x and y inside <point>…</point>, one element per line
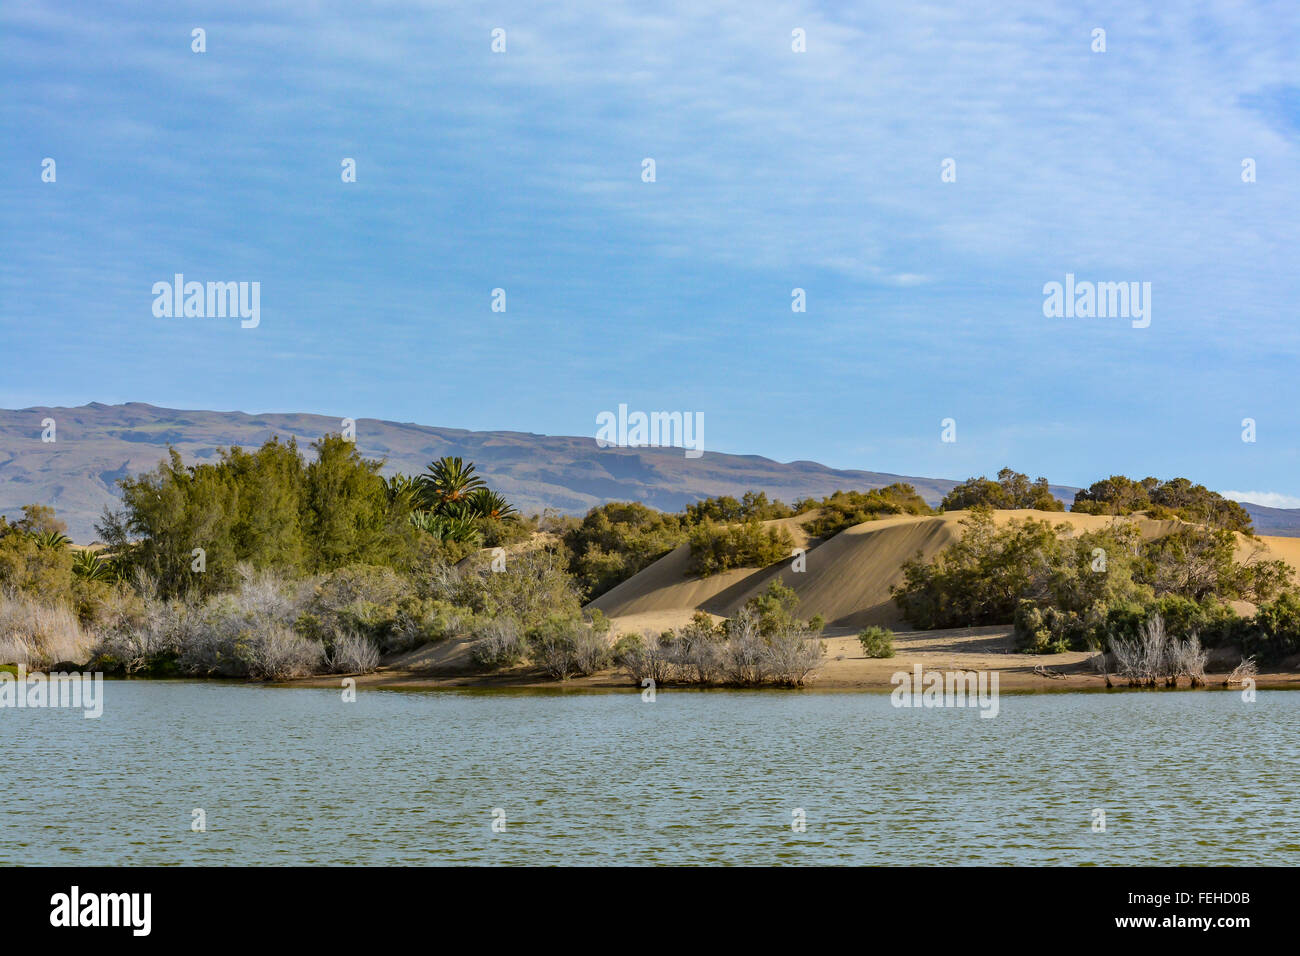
<point>645,658</point>
<point>1246,670</point>
<point>500,644</point>
<point>1155,656</point>
<point>1190,659</point>
<point>742,655</point>
<point>745,659</point>
<point>137,630</point>
<point>793,656</point>
<point>787,654</point>
<point>36,634</point>
<point>590,651</point>
<point>241,633</point>
<point>353,654</point>
<point>697,651</point>
<point>277,653</point>
<point>568,649</point>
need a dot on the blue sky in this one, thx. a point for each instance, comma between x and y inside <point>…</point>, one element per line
<point>775,170</point>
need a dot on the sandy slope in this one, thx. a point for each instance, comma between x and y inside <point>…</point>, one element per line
<point>847,578</point>
<point>1288,549</point>
<point>664,595</point>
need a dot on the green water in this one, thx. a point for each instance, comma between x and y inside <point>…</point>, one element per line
<point>294,775</point>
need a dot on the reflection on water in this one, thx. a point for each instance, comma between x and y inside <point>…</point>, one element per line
<point>293,775</point>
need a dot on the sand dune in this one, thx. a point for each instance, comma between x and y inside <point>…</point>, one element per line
<point>848,576</point>
<point>664,595</point>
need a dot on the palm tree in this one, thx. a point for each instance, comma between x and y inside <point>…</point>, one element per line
<point>461,510</point>
<point>51,539</point>
<point>486,503</point>
<point>91,567</point>
<point>402,489</point>
<point>446,527</point>
<point>448,480</point>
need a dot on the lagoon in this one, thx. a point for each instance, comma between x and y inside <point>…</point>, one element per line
<point>293,775</point>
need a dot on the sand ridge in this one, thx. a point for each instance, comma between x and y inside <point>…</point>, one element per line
<point>847,578</point>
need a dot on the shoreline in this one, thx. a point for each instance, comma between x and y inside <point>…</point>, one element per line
<point>406,680</point>
<point>978,649</point>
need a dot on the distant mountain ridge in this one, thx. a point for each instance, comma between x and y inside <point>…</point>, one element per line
<point>97,444</point>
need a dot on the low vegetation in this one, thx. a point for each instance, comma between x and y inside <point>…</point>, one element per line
<point>1063,590</point>
<point>268,566</point>
<point>1176,498</point>
<point>765,643</point>
<point>617,540</point>
<point>1012,490</point>
<point>1154,657</point>
<point>35,633</point>
<point>877,642</point>
<point>271,564</point>
<point>717,547</point>
<point>844,509</point>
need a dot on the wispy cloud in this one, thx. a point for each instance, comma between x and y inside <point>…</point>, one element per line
<point>1269,499</point>
<point>775,169</point>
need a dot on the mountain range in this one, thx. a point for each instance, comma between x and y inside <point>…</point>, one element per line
<point>95,445</point>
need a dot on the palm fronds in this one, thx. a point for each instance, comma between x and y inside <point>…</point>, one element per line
<point>51,539</point>
<point>448,480</point>
<point>91,567</point>
<point>445,527</point>
<point>486,503</point>
<point>450,501</point>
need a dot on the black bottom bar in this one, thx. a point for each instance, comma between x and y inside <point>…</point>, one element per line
<point>303,905</point>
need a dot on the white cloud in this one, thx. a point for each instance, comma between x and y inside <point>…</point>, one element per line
<point>827,159</point>
<point>1269,499</point>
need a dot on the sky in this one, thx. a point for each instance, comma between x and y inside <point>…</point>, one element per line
<point>775,169</point>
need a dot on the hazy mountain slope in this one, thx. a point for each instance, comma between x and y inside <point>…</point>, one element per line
<point>97,444</point>
<point>1277,521</point>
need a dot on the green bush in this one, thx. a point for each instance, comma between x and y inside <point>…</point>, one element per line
<point>1177,497</point>
<point>877,641</point>
<point>1274,633</point>
<point>34,556</point>
<point>1198,563</point>
<point>565,647</point>
<point>981,578</point>
<point>616,540</point>
<point>1062,590</point>
<point>1012,490</point>
<point>844,509</point>
<point>627,645</point>
<point>1044,629</point>
<point>751,506</point>
<point>500,643</point>
<point>773,609</point>
<point>751,544</point>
